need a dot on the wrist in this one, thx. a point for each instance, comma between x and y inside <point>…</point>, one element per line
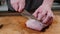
<point>48,3</point>
<point>45,6</point>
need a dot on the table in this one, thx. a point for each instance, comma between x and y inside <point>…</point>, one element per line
<point>16,25</point>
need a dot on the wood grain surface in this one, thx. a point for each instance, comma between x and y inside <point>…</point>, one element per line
<point>16,25</point>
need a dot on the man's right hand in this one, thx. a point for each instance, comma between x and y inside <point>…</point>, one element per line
<point>18,5</point>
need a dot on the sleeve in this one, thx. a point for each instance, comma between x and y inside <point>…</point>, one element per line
<point>32,5</point>
<point>10,8</point>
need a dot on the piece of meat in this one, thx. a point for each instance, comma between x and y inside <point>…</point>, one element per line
<point>34,24</point>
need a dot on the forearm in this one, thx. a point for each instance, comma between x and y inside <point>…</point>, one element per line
<point>48,3</point>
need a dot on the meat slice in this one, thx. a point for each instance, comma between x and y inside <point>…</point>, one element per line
<point>34,24</point>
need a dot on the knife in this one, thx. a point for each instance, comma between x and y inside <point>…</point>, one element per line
<point>27,14</point>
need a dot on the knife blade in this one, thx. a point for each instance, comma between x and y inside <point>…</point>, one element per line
<point>28,15</point>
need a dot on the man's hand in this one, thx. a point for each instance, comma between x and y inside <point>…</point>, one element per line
<point>44,14</point>
<point>18,5</point>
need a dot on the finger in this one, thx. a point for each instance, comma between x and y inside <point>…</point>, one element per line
<point>44,12</point>
<point>36,13</point>
<point>43,18</point>
<point>14,5</point>
<point>40,16</point>
<point>21,5</point>
<point>47,19</point>
<point>50,19</point>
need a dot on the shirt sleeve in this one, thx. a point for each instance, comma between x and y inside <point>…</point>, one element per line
<point>32,5</point>
<point>10,8</point>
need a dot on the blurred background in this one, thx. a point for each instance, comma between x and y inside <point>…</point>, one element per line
<point>3,5</point>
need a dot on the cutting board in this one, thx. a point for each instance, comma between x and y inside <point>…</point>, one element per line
<point>16,25</point>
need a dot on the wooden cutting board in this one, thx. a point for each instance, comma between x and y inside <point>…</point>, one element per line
<point>16,25</point>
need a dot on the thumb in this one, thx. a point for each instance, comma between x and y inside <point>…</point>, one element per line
<point>21,6</point>
<point>14,4</point>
